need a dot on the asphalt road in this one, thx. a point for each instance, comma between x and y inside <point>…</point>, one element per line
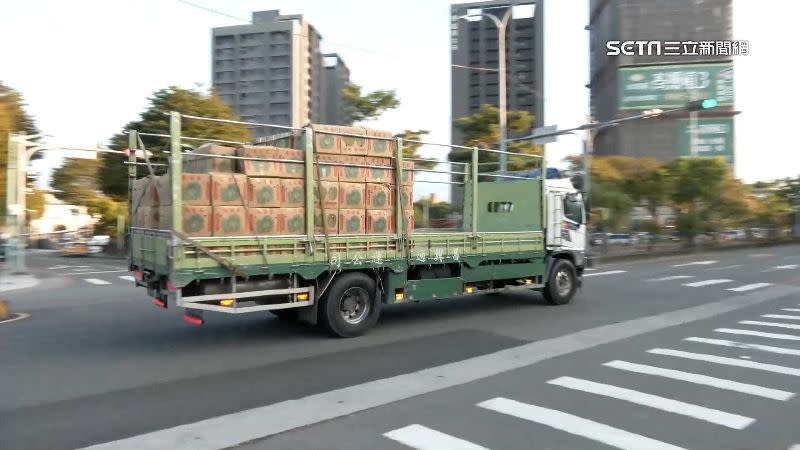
<point>649,355</point>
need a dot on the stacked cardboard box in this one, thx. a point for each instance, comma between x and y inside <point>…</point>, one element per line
<point>266,195</point>
<point>204,160</point>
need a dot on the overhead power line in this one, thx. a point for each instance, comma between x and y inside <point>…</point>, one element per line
<point>373,52</point>
<point>214,11</point>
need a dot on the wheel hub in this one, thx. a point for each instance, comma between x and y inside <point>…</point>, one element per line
<point>563,283</point>
<point>354,305</point>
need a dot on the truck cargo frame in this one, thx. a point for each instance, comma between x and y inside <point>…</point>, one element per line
<point>492,252</point>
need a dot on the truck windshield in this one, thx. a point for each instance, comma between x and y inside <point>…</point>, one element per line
<point>573,208</point>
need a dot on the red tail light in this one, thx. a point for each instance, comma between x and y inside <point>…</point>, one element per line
<point>159,303</point>
<point>192,320</point>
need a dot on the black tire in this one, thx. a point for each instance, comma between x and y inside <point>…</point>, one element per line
<point>561,283</point>
<point>350,307</point>
<point>288,315</point>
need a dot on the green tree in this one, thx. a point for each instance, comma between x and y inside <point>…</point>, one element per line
<point>411,149</point>
<point>697,188</point>
<point>616,201</point>
<point>482,129</point>
<point>34,203</point>
<point>13,119</point>
<point>370,105</point>
<point>113,172</point>
<point>76,180</point>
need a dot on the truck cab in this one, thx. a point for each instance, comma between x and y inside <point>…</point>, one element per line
<point>566,217</point>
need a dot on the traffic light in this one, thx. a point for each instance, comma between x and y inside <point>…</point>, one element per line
<point>699,105</point>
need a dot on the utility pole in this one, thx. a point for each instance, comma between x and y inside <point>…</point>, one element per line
<point>20,150</point>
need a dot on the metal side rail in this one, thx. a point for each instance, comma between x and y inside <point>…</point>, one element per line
<point>240,305</point>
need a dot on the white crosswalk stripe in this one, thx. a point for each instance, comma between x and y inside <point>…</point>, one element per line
<point>697,378</point>
<point>786,337</point>
<point>707,282</point>
<point>744,345</point>
<point>696,263</point>
<point>424,438</point>
<point>127,278</point>
<point>575,425</point>
<point>610,272</point>
<point>771,324</point>
<point>674,277</point>
<point>96,281</point>
<point>715,416</point>
<point>780,316</point>
<point>790,309</point>
<point>749,287</point>
<point>727,361</point>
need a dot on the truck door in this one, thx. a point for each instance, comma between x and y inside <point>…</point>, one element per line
<point>573,223</point>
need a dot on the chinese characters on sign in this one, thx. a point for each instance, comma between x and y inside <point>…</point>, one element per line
<point>706,137</point>
<point>678,48</point>
<point>672,86</point>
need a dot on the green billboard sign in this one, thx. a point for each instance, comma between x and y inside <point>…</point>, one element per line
<point>712,137</point>
<point>673,86</point>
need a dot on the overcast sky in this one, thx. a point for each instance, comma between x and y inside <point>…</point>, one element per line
<point>86,67</point>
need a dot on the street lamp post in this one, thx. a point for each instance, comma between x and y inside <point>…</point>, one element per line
<point>501,25</point>
<point>20,151</point>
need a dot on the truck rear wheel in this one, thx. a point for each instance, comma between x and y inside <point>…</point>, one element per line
<point>350,307</point>
<point>561,284</point>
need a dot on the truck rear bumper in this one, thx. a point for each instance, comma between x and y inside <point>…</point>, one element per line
<point>247,302</point>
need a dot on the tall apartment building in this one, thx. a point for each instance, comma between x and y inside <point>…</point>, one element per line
<point>625,85</point>
<point>337,75</point>
<point>271,71</point>
<point>474,44</point>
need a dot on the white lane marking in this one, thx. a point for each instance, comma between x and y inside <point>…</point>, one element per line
<point>232,429</point>
<point>771,324</point>
<point>786,337</point>
<point>785,267</point>
<point>91,273</point>
<point>96,281</point>
<point>424,438</point>
<point>780,316</point>
<point>790,309</point>
<point>589,269</point>
<point>745,345</point>
<point>749,287</point>
<point>674,277</point>
<point>708,282</point>
<point>725,268</point>
<point>64,267</point>
<point>696,263</point>
<point>761,255</point>
<point>718,417</point>
<point>696,378</point>
<point>727,361</point>
<point>578,426</point>
<point>610,272</point>
<point>127,278</point>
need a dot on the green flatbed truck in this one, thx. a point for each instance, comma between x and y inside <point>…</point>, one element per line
<point>520,232</point>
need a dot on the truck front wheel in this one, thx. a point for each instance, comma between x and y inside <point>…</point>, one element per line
<point>350,307</point>
<point>561,284</point>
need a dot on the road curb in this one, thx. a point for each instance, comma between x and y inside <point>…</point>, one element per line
<point>683,252</point>
<point>15,317</point>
